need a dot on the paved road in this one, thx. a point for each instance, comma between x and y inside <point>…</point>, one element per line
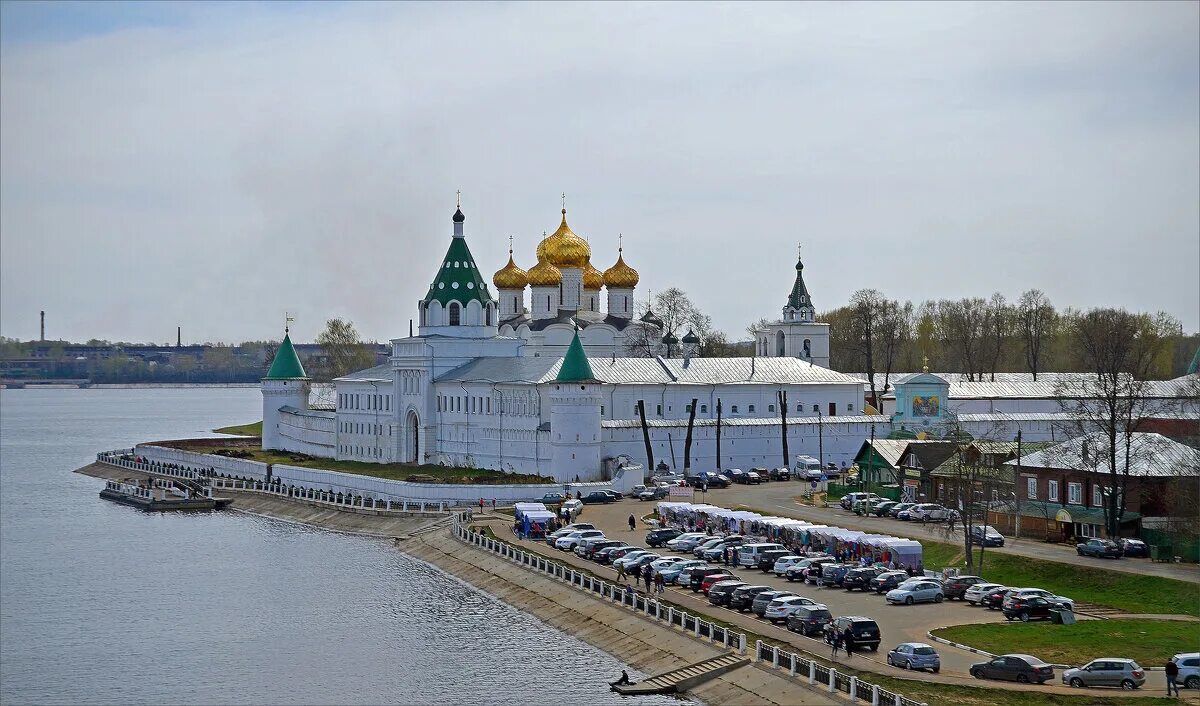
<point>778,499</point>
<point>897,623</point>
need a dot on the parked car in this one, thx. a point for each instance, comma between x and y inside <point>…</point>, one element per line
<point>568,542</point>
<point>860,577</point>
<point>762,600</point>
<point>597,497</point>
<point>573,506</point>
<point>766,560</point>
<point>994,599</point>
<point>783,562</point>
<point>705,544</point>
<point>658,492</point>
<point>564,531</point>
<point>736,475</point>
<point>987,536</point>
<point>686,541</point>
<point>1014,667</point>
<point>929,512</point>
<point>685,574</point>
<point>832,574</point>
<point>849,499</point>
<point>779,609</point>
<point>717,551</point>
<point>764,475</point>
<point>1022,593</point>
<point>975,594</point>
<point>711,580</point>
<point>552,498</point>
<point>748,553</point>
<point>605,555</point>
<point>915,592</point>
<point>713,480</point>
<point>809,620</point>
<point>622,552</point>
<point>956,586</point>
<point>634,567</point>
<point>1189,668</point>
<point>1026,609</point>
<point>887,581</point>
<point>781,473</point>
<point>659,537</point>
<point>754,478</point>
<point>864,632</point>
<point>798,571</point>
<point>915,655</point>
<point>659,565</point>
<point>697,576</point>
<point>743,598</point>
<point>895,510</point>
<point>588,549</point>
<point>907,514</point>
<point>721,591</point>
<point>629,557</point>
<point>1133,547</point>
<point>1099,548</point>
<point>1107,671</point>
<point>674,572</point>
<point>613,494</point>
<point>881,508</point>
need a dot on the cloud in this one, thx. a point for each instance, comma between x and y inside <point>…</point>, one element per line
<point>213,169</point>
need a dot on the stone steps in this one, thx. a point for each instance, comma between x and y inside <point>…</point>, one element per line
<point>684,678</point>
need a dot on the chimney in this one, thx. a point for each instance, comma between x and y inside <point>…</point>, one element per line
<point>43,338</point>
<point>179,337</point>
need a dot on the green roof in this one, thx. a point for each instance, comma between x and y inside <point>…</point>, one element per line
<point>286,365</point>
<point>1078,513</point>
<point>575,366</point>
<point>799,297</point>
<point>458,279</point>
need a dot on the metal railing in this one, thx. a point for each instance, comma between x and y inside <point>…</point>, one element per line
<point>797,666</point>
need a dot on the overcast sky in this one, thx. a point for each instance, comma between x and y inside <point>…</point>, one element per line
<point>212,166</point>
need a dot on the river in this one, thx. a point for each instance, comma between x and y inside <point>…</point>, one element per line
<point>102,603</point>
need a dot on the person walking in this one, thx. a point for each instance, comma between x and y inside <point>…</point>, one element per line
<point>846,640</point>
<point>1172,671</point>
<point>660,584</point>
<point>632,523</point>
<point>835,643</point>
<point>620,570</point>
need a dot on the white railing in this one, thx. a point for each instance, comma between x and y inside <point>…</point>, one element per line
<point>798,667</point>
<point>343,501</point>
<point>121,459</point>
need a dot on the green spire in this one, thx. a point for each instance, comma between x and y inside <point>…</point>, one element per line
<point>458,279</point>
<point>575,366</point>
<point>1195,366</point>
<point>799,297</point>
<point>286,365</point>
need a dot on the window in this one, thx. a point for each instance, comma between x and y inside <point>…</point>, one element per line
<point>1097,496</point>
<point>704,408</point>
<point>1075,493</point>
<point>687,408</point>
<point>488,315</point>
<point>658,409</point>
<point>850,407</point>
<point>1052,490</point>
<point>750,409</point>
<point>1031,488</point>
<point>455,314</point>
<point>733,409</point>
<point>770,408</point>
<point>816,408</point>
<point>601,410</point>
<point>799,407</point>
<point>833,409</point>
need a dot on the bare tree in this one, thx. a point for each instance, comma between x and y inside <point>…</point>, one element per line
<point>961,326</point>
<point>344,351</point>
<point>894,334</point>
<point>641,340</point>
<point>1037,321</point>
<point>865,305</point>
<point>997,323</point>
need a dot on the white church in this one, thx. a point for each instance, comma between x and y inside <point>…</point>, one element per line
<point>547,376</point>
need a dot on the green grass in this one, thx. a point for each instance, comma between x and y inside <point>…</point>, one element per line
<point>1149,642</point>
<point>251,429</point>
<point>1134,593</point>
<point>391,471</point>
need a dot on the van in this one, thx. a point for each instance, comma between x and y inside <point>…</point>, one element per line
<point>807,468</point>
<point>750,554</point>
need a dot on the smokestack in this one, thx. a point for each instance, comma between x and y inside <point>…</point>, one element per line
<point>43,338</point>
<point>179,337</point>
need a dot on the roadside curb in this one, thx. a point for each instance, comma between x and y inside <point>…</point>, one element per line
<point>959,645</point>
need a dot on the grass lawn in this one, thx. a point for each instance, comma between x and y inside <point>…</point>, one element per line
<point>1150,642</point>
<point>391,471</point>
<point>251,429</point>
<point>1135,593</point>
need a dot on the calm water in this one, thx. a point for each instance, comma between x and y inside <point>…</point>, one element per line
<point>106,604</point>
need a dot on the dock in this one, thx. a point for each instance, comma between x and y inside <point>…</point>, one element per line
<point>680,680</point>
<point>157,495</point>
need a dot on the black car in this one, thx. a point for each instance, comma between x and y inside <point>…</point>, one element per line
<point>762,600</point>
<point>722,591</point>
<point>597,497</point>
<point>860,578</point>
<point>780,473</point>
<point>809,620</point>
<point>743,597</point>
<point>766,562</point>
<point>1030,609</point>
<point>986,536</point>
<point>659,537</point>
<point>712,480</point>
<point>1133,547</point>
<point>995,598</point>
<point>1100,548</point>
<point>698,576</point>
<point>956,586</point>
<point>832,574</point>
<point>596,547</point>
<point>888,580</point>
<point>1019,668</point>
<point>604,556</point>
<point>864,632</point>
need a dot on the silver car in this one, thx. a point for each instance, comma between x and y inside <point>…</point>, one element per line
<point>915,655</point>
<point>1107,671</point>
<point>915,592</point>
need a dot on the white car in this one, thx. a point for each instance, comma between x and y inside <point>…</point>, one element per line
<point>683,542</point>
<point>568,542</point>
<point>660,564</point>
<point>928,511</point>
<point>783,562</point>
<point>779,609</point>
<point>564,531</point>
<point>974,595</point>
<point>1189,669</point>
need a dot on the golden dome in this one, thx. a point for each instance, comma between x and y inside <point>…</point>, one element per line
<point>510,276</point>
<point>621,275</point>
<point>592,278</point>
<point>565,249</point>
<point>544,274</point>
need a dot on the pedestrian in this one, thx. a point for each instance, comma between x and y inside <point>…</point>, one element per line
<point>847,638</point>
<point>646,574</point>
<point>632,523</point>
<point>725,556</point>
<point>835,642</point>
<point>920,568</point>
<point>620,570</point>
<point>1172,671</point>
<point>481,506</point>
<point>660,584</point>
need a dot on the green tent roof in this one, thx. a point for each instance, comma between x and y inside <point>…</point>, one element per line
<point>799,297</point>
<point>575,366</point>
<point>458,279</point>
<point>286,365</point>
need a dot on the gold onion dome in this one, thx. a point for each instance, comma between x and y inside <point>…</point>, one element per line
<point>592,278</point>
<point>621,275</point>
<point>510,276</point>
<point>544,274</point>
<point>565,249</point>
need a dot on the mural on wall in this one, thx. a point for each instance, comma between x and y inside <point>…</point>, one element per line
<point>925,406</point>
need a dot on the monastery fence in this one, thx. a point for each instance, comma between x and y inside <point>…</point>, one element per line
<point>797,666</point>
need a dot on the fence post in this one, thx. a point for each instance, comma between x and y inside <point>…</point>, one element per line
<point>898,702</point>
<point>792,661</point>
<point>742,642</point>
<point>670,616</point>
<point>697,626</point>
<point>757,650</point>
<point>853,688</point>
<point>874,695</point>
<point>812,671</point>
<point>832,679</point>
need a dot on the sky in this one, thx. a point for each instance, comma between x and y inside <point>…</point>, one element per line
<point>213,166</point>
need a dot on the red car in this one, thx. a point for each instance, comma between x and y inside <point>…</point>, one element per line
<point>709,580</point>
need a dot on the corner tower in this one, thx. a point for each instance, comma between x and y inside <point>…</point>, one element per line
<point>575,401</point>
<point>285,385</point>
<point>458,303</point>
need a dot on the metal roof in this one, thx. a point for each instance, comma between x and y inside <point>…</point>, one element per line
<point>1019,385</point>
<point>379,372</point>
<point>318,413</point>
<point>1151,455</point>
<point>743,422</point>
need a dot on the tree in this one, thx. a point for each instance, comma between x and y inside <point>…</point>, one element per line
<point>996,325</point>
<point>1037,321</point>
<point>344,350</point>
<point>1121,351</point>
<point>960,325</point>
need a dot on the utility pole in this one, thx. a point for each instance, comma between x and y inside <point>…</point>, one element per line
<point>870,459</point>
<point>821,439</point>
<point>783,424</point>
<point>179,337</point>
<point>1017,491</point>
<point>43,338</point>
<point>687,446</point>
<point>646,437</point>
<point>718,468</point>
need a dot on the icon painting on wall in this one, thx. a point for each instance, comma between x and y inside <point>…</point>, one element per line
<point>925,406</point>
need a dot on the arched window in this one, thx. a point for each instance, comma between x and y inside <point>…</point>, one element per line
<point>516,306</point>
<point>779,346</point>
<point>455,314</point>
<point>807,348</point>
